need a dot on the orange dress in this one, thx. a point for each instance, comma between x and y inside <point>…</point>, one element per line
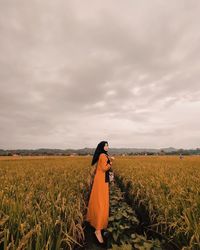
<point>98,205</point>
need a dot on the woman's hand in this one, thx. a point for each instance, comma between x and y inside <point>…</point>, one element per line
<point>112,157</point>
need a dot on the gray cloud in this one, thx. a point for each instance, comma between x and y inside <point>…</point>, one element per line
<point>74,73</point>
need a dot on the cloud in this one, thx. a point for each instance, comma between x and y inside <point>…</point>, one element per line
<point>74,73</point>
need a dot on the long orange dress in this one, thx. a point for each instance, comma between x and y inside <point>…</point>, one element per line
<point>98,205</point>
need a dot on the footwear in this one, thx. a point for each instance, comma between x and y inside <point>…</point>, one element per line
<point>102,244</point>
<point>105,233</point>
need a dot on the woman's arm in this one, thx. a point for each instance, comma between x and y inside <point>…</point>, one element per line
<point>103,162</point>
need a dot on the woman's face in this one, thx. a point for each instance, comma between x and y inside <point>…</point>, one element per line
<point>106,147</point>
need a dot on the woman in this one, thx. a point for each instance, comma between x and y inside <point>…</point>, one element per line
<point>98,205</point>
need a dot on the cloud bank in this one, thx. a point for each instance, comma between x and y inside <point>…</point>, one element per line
<point>73,73</point>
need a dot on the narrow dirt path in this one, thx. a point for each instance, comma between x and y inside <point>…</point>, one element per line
<point>122,227</point>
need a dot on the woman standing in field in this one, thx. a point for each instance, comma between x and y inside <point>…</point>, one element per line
<point>98,205</point>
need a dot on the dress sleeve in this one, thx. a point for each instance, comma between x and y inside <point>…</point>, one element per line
<point>103,162</point>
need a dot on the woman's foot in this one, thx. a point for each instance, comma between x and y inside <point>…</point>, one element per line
<point>99,236</point>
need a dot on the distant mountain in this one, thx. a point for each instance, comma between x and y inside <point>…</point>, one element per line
<point>170,149</point>
<point>90,151</point>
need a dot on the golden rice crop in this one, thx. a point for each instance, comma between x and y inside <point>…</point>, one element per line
<point>42,199</point>
<point>42,202</point>
<point>169,188</point>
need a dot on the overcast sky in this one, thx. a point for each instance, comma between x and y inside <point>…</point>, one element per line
<point>73,73</point>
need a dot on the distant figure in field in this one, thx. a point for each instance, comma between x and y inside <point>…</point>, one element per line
<point>180,156</point>
<point>98,205</point>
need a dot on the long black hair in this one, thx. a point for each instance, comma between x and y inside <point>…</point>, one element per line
<point>99,149</point>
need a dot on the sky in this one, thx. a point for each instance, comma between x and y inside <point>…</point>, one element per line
<point>74,73</point>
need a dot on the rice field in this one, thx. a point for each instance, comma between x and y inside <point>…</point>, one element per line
<point>43,199</point>
<point>42,202</point>
<point>169,190</point>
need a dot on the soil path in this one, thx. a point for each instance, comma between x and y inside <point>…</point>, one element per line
<point>122,227</point>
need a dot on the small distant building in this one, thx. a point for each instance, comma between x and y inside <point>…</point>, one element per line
<point>15,155</point>
<point>73,154</point>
